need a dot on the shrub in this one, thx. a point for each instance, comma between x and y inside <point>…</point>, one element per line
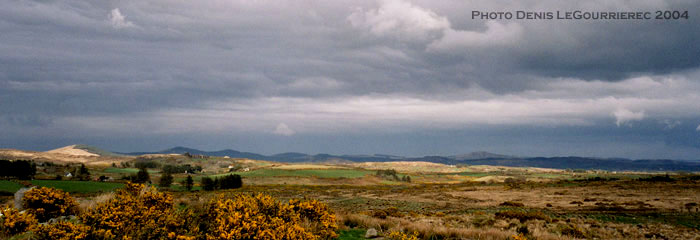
<point>165,180</point>
<point>482,220</point>
<point>397,235</point>
<point>230,181</point>
<point>142,163</point>
<point>657,178</point>
<point>523,216</point>
<point>61,230</point>
<point>14,222</point>
<point>511,204</point>
<point>318,213</point>
<point>208,184</point>
<point>81,173</point>
<point>188,182</point>
<point>388,212</point>
<point>260,217</point>
<point>142,176</point>
<point>388,173</point>
<point>226,182</point>
<point>46,203</point>
<point>136,212</point>
<point>572,231</point>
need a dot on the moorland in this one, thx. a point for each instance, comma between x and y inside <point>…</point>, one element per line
<point>396,199</point>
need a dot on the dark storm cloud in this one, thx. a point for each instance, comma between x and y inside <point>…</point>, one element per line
<point>614,51</point>
<point>212,49</point>
<point>142,69</point>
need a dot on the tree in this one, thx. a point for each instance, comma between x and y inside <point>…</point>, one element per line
<point>189,183</point>
<point>208,184</point>
<point>166,180</point>
<point>225,182</point>
<point>82,173</point>
<point>20,169</point>
<point>230,181</point>
<point>142,176</point>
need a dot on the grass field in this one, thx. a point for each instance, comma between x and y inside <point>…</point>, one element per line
<point>320,173</point>
<point>9,186</point>
<point>352,234</point>
<point>68,186</point>
<point>127,170</point>
<point>78,186</point>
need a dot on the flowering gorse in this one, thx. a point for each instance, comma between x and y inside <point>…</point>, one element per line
<point>46,203</point>
<point>263,217</point>
<point>62,230</point>
<point>317,213</point>
<point>135,212</point>
<point>397,235</point>
<point>141,212</point>
<point>14,222</point>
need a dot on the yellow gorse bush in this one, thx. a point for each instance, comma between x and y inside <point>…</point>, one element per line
<point>397,235</point>
<point>46,203</point>
<point>61,230</point>
<point>140,212</point>
<point>319,214</point>
<point>15,222</point>
<point>253,217</point>
<point>263,217</point>
<point>136,212</point>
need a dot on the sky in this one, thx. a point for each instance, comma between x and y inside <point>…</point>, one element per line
<point>401,77</point>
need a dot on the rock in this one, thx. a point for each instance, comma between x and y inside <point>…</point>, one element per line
<point>371,233</point>
<point>18,197</point>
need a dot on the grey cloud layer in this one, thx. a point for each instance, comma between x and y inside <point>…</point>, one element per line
<point>162,66</point>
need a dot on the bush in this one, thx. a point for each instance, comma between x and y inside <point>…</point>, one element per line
<point>388,212</point>
<point>188,183</point>
<point>226,182</point>
<point>388,173</point>
<point>81,173</point>
<point>208,184</point>
<point>318,213</point>
<point>140,163</point>
<point>61,230</point>
<point>572,231</point>
<point>230,181</point>
<point>657,178</point>
<point>46,203</point>
<point>262,217</point>
<point>396,235</point>
<point>523,216</point>
<point>165,180</point>
<point>14,222</point>
<point>137,212</point>
<point>511,204</point>
<point>142,176</point>
<point>482,220</point>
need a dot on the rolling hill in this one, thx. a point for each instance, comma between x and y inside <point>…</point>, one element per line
<point>474,158</point>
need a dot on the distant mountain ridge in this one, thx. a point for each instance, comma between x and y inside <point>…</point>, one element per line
<point>474,158</point>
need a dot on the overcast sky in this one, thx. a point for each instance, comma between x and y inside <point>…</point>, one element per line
<point>400,77</point>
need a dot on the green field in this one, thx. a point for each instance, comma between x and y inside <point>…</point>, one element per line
<point>78,186</point>
<point>9,186</point>
<point>320,173</point>
<point>352,234</point>
<point>68,186</point>
<point>126,170</point>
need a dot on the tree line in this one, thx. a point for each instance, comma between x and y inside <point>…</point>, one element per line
<point>19,169</point>
<point>226,182</point>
